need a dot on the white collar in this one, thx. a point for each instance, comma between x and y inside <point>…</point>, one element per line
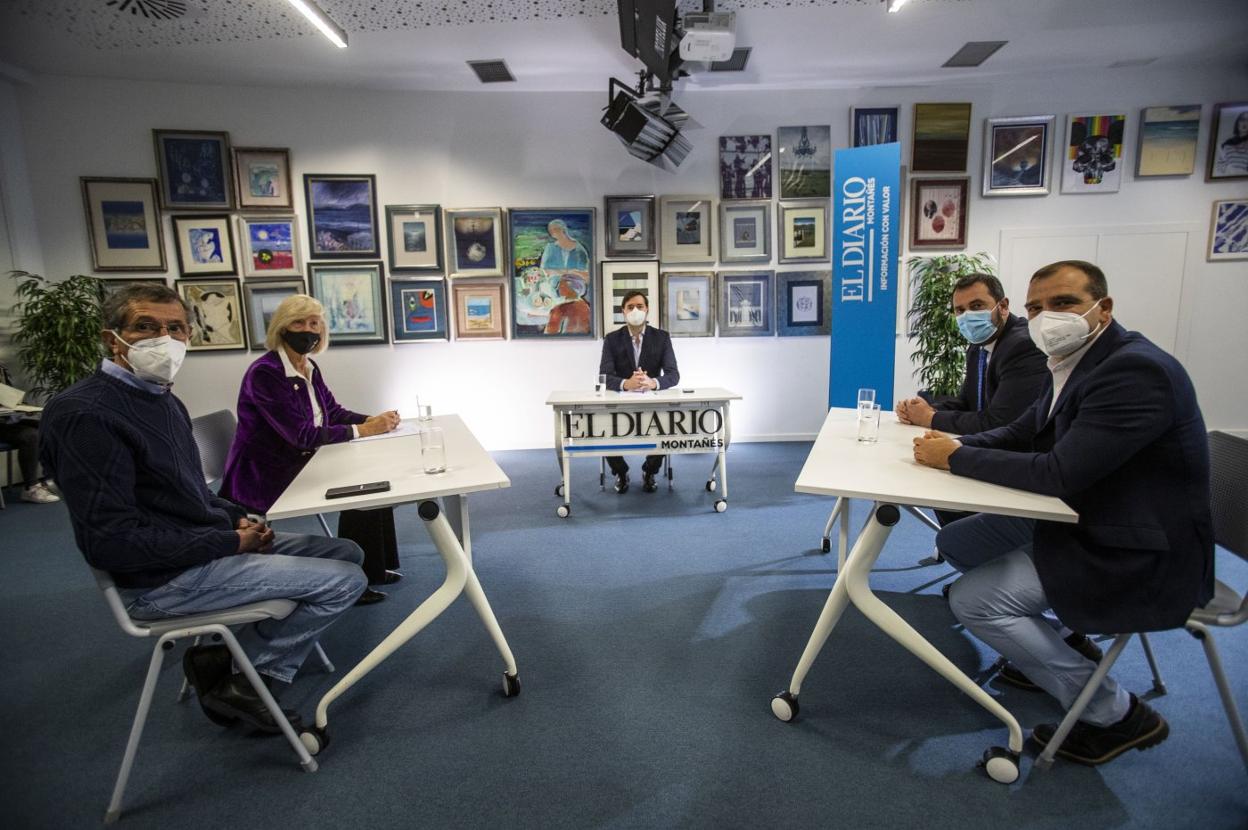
<point>291,371</point>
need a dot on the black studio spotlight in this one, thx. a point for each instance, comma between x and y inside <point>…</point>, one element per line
<point>647,123</point>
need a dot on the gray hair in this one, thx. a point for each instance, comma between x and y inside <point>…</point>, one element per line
<point>116,306</point>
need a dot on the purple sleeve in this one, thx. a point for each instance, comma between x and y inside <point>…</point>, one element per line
<point>270,391</point>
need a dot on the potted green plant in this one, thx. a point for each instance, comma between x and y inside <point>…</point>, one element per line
<point>940,351</point>
<point>58,329</point>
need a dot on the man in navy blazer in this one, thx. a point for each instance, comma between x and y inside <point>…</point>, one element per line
<point>1119,437</point>
<point>637,357</point>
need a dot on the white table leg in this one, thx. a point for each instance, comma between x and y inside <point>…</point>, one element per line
<point>457,515</point>
<point>842,539</point>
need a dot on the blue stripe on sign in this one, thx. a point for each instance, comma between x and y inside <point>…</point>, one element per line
<point>612,447</point>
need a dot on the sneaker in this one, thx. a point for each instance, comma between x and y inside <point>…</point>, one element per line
<point>38,493</point>
<point>1088,744</point>
<point>1079,642</point>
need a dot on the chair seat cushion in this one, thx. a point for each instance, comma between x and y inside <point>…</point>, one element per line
<point>276,609</point>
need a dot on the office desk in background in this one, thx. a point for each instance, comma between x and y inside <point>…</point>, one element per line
<point>886,473</point>
<point>397,460</point>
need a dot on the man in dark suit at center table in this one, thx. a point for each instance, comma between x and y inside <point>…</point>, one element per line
<point>636,358</point>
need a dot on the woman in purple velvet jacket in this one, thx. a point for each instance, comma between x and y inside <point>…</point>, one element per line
<point>285,411</point>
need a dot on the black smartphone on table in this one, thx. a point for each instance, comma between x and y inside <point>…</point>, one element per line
<point>357,490</point>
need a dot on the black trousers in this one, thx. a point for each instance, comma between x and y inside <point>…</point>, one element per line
<point>619,466</point>
<point>372,530</point>
<point>944,517</point>
<point>24,436</point>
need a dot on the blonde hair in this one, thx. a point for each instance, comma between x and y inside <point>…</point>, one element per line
<point>291,309</point>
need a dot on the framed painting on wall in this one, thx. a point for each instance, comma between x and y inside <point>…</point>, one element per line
<point>123,224</point>
<point>745,231</point>
<point>688,303</point>
<point>552,272</point>
<point>1228,142</point>
<point>745,167</point>
<point>942,136</point>
<point>217,320</point>
<point>939,213</point>
<point>619,278</point>
<point>418,310</point>
<point>1168,140</point>
<point>803,303</point>
<point>195,170</point>
<point>205,245</point>
<point>804,156</point>
<point>1016,155</point>
<point>1092,158</point>
<point>688,229</point>
<point>262,297</point>
<point>355,307</point>
<point>873,125</point>
<point>628,226</point>
<point>263,178</point>
<point>804,231</point>
<point>270,246</point>
<point>1228,231</point>
<point>414,234</point>
<point>746,304</point>
<point>342,216</point>
<point>480,309</point>
<point>475,242</point>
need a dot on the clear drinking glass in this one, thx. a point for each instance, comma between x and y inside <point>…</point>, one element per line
<point>866,396</point>
<point>868,422</point>
<point>601,385</point>
<point>432,450</point>
<point>424,413</point>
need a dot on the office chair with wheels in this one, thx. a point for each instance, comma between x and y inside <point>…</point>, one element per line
<point>1228,456</point>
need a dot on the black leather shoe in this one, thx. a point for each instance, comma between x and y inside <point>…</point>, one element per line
<point>370,596</point>
<point>1087,744</point>
<point>1079,642</point>
<point>234,698</point>
<point>391,577</point>
<point>621,483</point>
<point>205,667</point>
<point>647,483</point>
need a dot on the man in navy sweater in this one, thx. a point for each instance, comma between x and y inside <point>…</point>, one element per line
<point>120,446</point>
<point>1119,437</point>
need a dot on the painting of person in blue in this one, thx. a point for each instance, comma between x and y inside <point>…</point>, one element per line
<point>564,253</point>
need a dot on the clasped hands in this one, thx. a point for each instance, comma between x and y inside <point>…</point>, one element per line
<point>639,380</point>
<point>915,411</point>
<point>932,449</point>
<point>253,536</point>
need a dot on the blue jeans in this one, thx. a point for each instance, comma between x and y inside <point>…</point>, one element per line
<point>1000,600</point>
<point>321,574</point>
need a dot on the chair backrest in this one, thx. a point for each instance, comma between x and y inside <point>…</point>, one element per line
<point>1228,457</point>
<point>214,433</point>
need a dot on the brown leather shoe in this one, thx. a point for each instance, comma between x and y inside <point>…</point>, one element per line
<point>1088,744</point>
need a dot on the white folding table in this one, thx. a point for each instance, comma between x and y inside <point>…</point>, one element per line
<point>886,473</point>
<point>642,442</point>
<point>397,460</point>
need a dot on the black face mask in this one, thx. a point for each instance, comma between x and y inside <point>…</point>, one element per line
<point>303,342</point>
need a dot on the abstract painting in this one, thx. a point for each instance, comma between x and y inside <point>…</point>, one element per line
<point>942,135</point>
<point>1168,140</point>
<point>619,278</point>
<point>745,167</point>
<point>480,309</point>
<point>804,156</point>
<point>1228,142</point>
<point>629,227</point>
<point>195,170</point>
<point>1016,155</point>
<point>475,242</point>
<point>205,245</point>
<point>342,216</point>
<point>270,246</point>
<point>414,233</point>
<point>418,310</point>
<point>1092,161</point>
<point>688,229</point>
<point>123,224</point>
<point>263,177</point>
<point>355,307</point>
<point>262,299</point>
<point>873,125</point>
<point>938,213</point>
<point>217,322</point>
<point>688,303</point>
<point>1228,232</point>
<point>746,304</point>
<point>745,231</point>
<point>803,303</point>
<point>552,272</point>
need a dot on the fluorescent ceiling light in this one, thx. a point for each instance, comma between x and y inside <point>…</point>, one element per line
<point>321,21</point>
<point>894,6</point>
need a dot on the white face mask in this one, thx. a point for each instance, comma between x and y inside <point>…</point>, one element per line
<point>1059,333</point>
<point>155,360</point>
<point>635,317</point>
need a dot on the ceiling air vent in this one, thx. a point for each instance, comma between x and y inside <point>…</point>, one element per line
<point>152,9</point>
<point>491,72</point>
<point>736,63</point>
<point>975,52</point>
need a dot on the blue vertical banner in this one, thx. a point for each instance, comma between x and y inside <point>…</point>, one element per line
<point>866,237</point>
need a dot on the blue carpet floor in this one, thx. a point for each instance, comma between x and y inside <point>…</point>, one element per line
<point>650,633</point>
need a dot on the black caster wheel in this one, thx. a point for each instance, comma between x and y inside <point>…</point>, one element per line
<point>825,544</point>
<point>314,740</point>
<point>721,506</point>
<point>784,706</point>
<point>563,511</point>
<point>511,684</point>
<point>1000,764</point>
<point>559,490</point>
<point>711,486</point>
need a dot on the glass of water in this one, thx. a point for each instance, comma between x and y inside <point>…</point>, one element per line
<point>868,422</point>
<point>866,396</point>
<point>424,413</point>
<point>433,450</point>
<point>601,385</point>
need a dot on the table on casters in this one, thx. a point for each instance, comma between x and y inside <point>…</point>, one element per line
<point>885,473</point>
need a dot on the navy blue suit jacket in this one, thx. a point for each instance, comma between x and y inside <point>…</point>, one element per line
<point>1125,447</point>
<point>1015,377</point>
<point>657,357</point>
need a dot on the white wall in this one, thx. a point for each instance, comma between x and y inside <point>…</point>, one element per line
<point>19,240</point>
<point>532,150</point>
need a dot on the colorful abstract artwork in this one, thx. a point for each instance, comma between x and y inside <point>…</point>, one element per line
<point>1092,161</point>
<point>195,170</point>
<point>552,272</point>
<point>353,300</point>
<point>418,310</point>
<point>342,216</point>
<point>217,322</point>
<point>205,245</point>
<point>1228,233</point>
<point>123,222</point>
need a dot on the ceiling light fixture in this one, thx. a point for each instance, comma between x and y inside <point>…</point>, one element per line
<point>321,21</point>
<point>894,6</point>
